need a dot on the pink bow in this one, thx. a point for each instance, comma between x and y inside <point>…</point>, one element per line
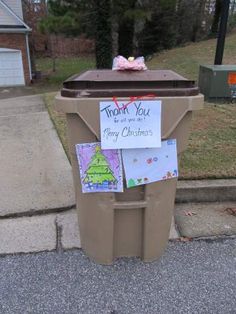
<point>121,63</point>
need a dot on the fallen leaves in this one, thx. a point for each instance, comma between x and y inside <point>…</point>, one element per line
<point>231,211</point>
<point>185,239</point>
<point>189,213</point>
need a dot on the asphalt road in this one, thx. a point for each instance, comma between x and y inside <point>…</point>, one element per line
<point>194,277</point>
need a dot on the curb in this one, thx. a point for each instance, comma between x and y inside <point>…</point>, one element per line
<point>188,191</point>
<point>55,231</point>
<point>198,191</point>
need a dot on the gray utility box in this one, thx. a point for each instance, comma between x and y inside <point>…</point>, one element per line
<point>213,80</point>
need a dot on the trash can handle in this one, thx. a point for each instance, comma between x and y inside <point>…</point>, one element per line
<point>130,205</point>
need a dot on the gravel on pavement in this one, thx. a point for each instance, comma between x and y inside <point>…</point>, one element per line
<point>191,277</point>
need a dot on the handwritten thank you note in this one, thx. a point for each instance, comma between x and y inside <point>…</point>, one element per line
<point>133,125</point>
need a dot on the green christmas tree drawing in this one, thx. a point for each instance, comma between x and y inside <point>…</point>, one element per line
<point>131,183</point>
<point>99,172</point>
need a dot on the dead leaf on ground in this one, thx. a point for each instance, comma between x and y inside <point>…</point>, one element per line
<point>231,211</point>
<point>189,213</point>
<point>185,239</point>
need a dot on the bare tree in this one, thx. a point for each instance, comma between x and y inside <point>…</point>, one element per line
<point>33,12</point>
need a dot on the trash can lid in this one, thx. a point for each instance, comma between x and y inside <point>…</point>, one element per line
<point>108,83</point>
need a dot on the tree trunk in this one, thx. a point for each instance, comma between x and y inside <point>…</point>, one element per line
<point>55,55</point>
<point>126,26</point>
<point>103,38</point>
<point>198,20</point>
<point>216,18</point>
<point>125,38</point>
<point>232,7</point>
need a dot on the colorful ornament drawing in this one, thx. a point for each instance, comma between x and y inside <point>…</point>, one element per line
<point>153,164</point>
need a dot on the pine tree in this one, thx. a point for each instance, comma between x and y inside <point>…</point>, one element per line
<point>160,31</point>
<point>90,17</point>
<point>98,171</point>
<point>127,15</point>
<point>103,37</point>
<point>124,10</point>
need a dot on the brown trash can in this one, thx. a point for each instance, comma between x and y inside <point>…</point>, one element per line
<point>136,222</point>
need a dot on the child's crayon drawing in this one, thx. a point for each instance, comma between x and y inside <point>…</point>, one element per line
<point>100,170</point>
<point>152,164</point>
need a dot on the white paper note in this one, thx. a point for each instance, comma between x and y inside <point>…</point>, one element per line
<point>136,125</point>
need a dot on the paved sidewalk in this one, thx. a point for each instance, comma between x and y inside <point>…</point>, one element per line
<point>200,220</point>
<point>19,91</point>
<point>37,195</point>
<point>10,92</point>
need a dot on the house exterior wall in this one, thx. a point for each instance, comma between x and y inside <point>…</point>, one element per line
<point>17,41</point>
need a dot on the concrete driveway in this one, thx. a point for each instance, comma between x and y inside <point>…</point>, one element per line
<point>36,174</point>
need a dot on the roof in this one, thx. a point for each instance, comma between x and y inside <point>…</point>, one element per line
<point>15,6</point>
<point>10,22</point>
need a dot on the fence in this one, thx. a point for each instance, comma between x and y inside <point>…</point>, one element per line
<point>62,46</point>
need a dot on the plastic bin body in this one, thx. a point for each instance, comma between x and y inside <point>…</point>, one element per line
<point>136,222</point>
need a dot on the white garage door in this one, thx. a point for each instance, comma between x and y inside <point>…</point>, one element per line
<point>11,68</point>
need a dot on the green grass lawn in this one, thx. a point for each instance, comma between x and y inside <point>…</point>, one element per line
<point>211,151</point>
<point>186,60</point>
<point>58,120</point>
<point>65,67</point>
